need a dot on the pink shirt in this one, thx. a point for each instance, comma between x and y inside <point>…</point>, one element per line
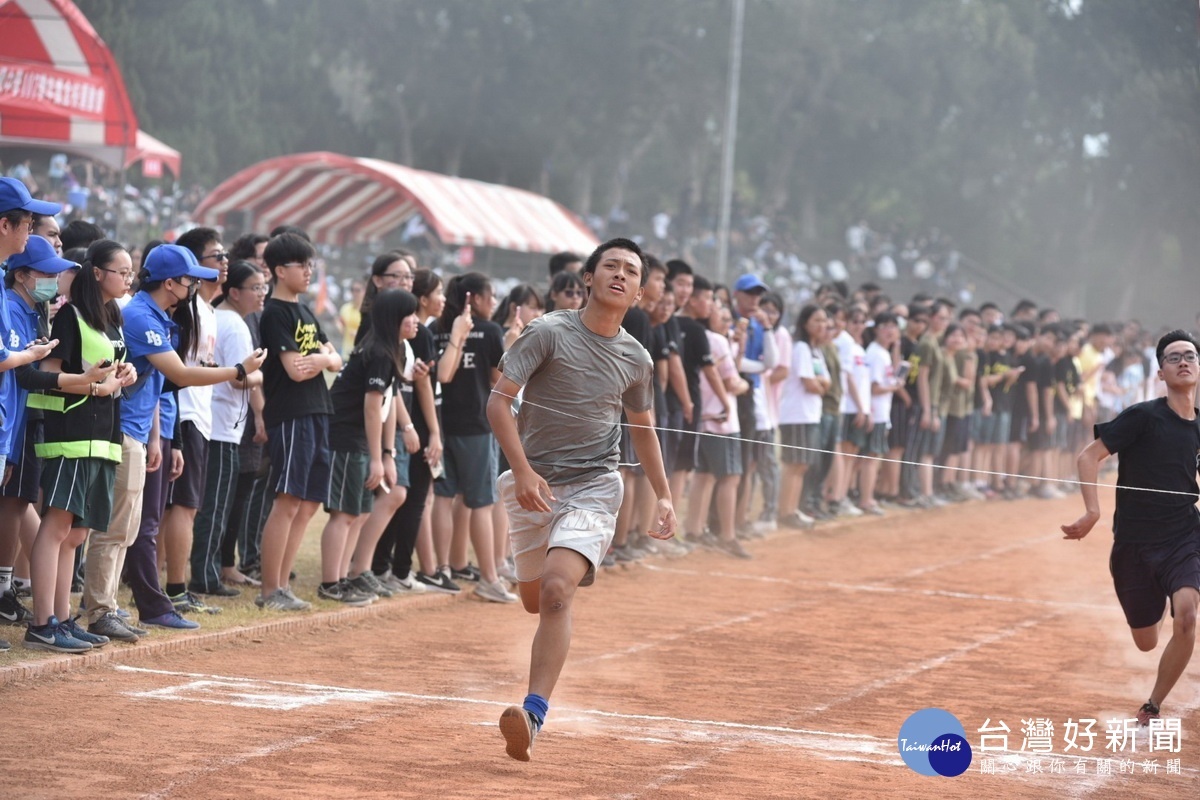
<point>710,403</point>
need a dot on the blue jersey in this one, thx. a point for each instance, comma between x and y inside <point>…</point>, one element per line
<point>148,331</point>
<point>8,383</point>
<point>23,327</point>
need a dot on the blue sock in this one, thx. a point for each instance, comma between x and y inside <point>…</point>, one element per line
<point>537,705</point>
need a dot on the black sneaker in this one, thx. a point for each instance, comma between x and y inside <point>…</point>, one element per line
<point>439,582</point>
<point>189,602</point>
<point>12,612</point>
<point>22,589</point>
<point>469,573</point>
<point>344,592</point>
<point>1146,713</point>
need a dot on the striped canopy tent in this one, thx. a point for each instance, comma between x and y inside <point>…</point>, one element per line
<point>60,88</point>
<point>341,200</point>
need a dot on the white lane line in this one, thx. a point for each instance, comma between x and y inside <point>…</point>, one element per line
<point>884,589</point>
<point>984,556</point>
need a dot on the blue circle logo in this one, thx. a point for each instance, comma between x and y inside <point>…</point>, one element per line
<point>933,742</point>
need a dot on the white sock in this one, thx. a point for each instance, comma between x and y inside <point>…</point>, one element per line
<point>5,579</point>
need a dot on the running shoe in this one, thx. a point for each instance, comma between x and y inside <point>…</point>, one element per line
<point>12,611</point>
<point>439,582</point>
<point>734,548</point>
<point>409,584</point>
<point>172,620</point>
<point>797,519</point>
<point>847,509</point>
<point>627,554</point>
<point>469,573</point>
<point>610,558</point>
<point>494,592</point>
<point>73,628</point>
<point>519,731</point>
<point>508,572</point>
<point>1147,712</point>
<point>188,602</point>
<point>367,583</point>
<point>344,592</point>
<point>110,625</point>
<point>875,509</point>
<point>220,590</point>
<point>53,637</point>
<point>282,600</point>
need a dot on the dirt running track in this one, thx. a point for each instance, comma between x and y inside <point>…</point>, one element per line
<point>786,676</point>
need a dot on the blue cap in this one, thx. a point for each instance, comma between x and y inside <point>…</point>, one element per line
<point>173,261</point>
<point>14,195</point>
<point>750,283</point>
<point>40,255</point>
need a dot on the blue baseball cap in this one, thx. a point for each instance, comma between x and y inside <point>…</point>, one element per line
<point>40,255</point>
<point>173,261</point>
<point>14,196</point>
<point>749,283</point>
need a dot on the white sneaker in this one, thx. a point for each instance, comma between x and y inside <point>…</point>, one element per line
<point>494,592</point>
<point>410,584</point>
<point>848,509</point>
<point>508,572</point>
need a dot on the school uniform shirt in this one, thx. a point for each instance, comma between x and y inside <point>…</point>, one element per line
<point>195,402</point>
<point>25,325</point>
<point>348,430</point>
<point>854,370</point>
<point>464,399</point>
<point>711,406</point>
<point>288,327</point>
<point>881,372</point>
<point>695,352</point>
<point>8,384</point>
<point>148,331</point>
<point>230,403</point>
<point>774,389</point>
<point>797,405</point>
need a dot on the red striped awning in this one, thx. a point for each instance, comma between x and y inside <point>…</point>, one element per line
<point>339,199</point>
<point>59,84</point>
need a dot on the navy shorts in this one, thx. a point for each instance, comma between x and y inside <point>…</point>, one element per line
<point>188,489</point>
<point>299,452</point>
<point>26,479</point>
<point>470,464</point>
<point>1146,575</point>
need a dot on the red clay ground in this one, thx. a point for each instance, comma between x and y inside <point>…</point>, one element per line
<point>786,676</point>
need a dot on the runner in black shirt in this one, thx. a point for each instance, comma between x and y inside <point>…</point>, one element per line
<point>1156,533</point>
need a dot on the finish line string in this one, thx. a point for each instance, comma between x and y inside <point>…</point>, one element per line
<point>881,459</point>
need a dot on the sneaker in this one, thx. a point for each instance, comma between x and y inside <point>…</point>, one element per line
<point>797,519</point>
<point>188,602</point>
<point>5,646</point>
<point>22,589</point>
<point>508,572</point>
<point>73,628</point>
<point>12,612</point>
<point>390,582</point>
<point>705,540</point>
<point>281,600</point>
<point>469,573</point>
<point>672,548</point>
<point>409,585</point>
<point>110,625</point>
<point>734,548</point>
<point>367,583</point>
<point>519,731</point>
<point>134,629</point>
<point>494,592</point>
<point>627,554</point>
<point>1147,712</point>
<point>439,582</point>
<point>847,509</point>
<point>609,560</point>
<point>172,620</point>
<point>220,590</point>
<point>875,510</point>
<point>345,592</point>
<point>641,541</point>
<point>53,637</point>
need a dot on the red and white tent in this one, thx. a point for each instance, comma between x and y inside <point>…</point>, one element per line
<point>61,88</point>
<point>340,199</point>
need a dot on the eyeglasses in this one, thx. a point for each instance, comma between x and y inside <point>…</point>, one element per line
<point>259,288</point>
<point>126,276</point>
<point>1189,356</point>
<point>400,276</point>
<point>572,292</point>
<point>221,256</point>
<point>306,265</point>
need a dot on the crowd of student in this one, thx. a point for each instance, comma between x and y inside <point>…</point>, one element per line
<point>168,420</point>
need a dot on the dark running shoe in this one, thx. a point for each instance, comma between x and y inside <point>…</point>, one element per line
<point>519,731</point>
<point>734,548</point>
<point>171,620</point>
<point>439,582</point>
<point>188,602</point>
<point>344,592</point>
<point>53,637</point>
<point>12,612</point>
<point>469,573</point>
<point>1146,713</point>
<point>367,583</point>
<point>73,627</point>
<point>111,626</point>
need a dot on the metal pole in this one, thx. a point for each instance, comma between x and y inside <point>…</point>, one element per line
<point>729,142</point>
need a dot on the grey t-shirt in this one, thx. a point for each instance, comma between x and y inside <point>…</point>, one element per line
<point>586,379</point>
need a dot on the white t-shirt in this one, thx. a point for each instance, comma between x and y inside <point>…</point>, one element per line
<point>195,402</point>
<point>229,403</point>
<point>854,368</point>
<point>797,405</point>
<point>880,371</point>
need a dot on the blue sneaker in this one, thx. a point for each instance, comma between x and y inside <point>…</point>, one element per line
<point>54,638</point>
<point>94,639</point>
<point>171,619</point>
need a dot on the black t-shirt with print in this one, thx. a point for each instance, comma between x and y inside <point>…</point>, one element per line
<point>999,363</point>
<point>1158,449</point>
<point>290,327</point>
<point>464,399</point>
<point>348,430</point>
<point>695,352</point>
<point>1066,374</point>
<point>424,350</point>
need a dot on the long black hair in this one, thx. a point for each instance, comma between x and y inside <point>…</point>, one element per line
<point>379,267</point>
<point>474,283</point>
<point>235,278</point>
<point>560,283</point>
<point>388,313</point>
<point>424,282</point>
<point>521,294</point>
<point>802,322</point>
<point>85,289</point>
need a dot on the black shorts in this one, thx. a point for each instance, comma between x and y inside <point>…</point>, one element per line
<point>299,453</point>
<point>686,454</point>
<point>1146,575</point>
<point>898,435</point>
<point>629,457</point>
<point>188,489</point>
<point>26,478</point>
<point>854,435</point>
<point>955,439</point>
<point>1018,428</point>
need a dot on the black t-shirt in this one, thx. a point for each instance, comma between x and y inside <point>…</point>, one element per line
<point>1044,372</point>
<point>637,325</point>
<point>1021,409</point>
<point>1158,449</point>
<point>290,327</point>
<point>92,418</point>
<point>425,350</point>
<point>999,363</point>
<point>1066,374</point>
<point>981,359</point>
<point>348,430</point>
<point>464,399</point>
<point>696,354</point>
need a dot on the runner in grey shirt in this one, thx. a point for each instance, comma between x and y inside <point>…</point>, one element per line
<point>579,369</point>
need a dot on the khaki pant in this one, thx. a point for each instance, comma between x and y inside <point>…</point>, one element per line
<point>106,550</point>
